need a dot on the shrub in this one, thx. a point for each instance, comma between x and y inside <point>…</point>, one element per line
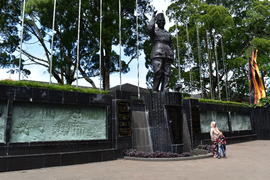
<point>134,153</point>
<point>35,84</point>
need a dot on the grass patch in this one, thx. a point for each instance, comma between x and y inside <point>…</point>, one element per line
<point>52,86</point>
<point>212,101</point>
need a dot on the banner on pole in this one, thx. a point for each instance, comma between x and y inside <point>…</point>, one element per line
<point>256,81</point>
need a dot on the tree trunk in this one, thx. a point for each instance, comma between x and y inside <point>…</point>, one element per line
<point>59,80</point>
<point>106,80</point>
<point>69,74</point>
<point>216,67</point>
<point>210,64</point>
<point>69,80</point>
<point>87,78</point>
<point>106,73</point>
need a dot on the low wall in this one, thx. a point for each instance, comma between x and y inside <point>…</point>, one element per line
<point>261,119</point>
<point>42,127</point>
<point>234,121</point>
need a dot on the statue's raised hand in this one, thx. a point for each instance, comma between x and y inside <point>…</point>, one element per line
<point>154,14</point>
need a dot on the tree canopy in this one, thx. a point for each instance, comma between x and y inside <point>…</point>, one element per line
<point>227,32</point>
<point>38,24</point>
<point>215,41</point>
<point>10,12</point>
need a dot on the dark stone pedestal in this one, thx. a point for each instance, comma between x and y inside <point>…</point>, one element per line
<point>165,121</point>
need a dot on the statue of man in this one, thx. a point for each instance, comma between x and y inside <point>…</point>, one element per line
<point>162,54</point>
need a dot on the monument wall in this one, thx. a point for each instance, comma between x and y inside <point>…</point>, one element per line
<point>42,127</point>
<point>234,121</point>
<point>261,119</point>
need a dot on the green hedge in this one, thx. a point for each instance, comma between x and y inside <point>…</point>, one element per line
<point>265,101</point>
<point>52,86</point>
<point>212,101</point>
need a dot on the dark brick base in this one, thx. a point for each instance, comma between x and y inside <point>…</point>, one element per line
<point>23,162</point>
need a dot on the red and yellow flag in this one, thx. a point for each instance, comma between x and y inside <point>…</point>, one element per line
<point>256,80</point>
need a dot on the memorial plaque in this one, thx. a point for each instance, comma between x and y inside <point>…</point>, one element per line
<point>221,118</point>
<point>40,122</point>
<point>240,121</point>
<point>124,119</point>
<point>3,119</point>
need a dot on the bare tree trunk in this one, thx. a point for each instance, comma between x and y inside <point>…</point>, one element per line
<point>87,78</point>
<point>217,66</point>
<point>106,73</point>
<point>210,65</point>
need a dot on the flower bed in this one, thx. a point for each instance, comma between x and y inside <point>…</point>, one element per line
<point>134,153</point>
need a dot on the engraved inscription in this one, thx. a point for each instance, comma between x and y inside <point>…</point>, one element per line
<point>240,122</point>
<point>57,123</point>
<point>124,119</point>
<point>220,117</point>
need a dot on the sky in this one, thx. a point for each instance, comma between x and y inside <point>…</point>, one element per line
<point>39,73</point>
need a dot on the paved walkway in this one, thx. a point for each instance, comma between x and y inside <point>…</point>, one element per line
<point>246,161</point>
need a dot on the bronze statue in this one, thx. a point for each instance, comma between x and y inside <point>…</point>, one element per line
<point>162,54</point>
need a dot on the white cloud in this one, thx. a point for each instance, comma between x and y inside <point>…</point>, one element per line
<point>5,75</point>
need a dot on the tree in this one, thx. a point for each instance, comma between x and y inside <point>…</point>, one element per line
<point>212,19</point>
<point>38,23</point>
<point>9,35</point>
<point>233,26</point>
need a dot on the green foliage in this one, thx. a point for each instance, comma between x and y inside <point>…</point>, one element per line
<point>52,86</point>
<point>237,62</point>
<point>216,17</point>
<point>237,27</point>
<point>212,101</point>
<point>38,23</point>
<point>243,25</point>
<point>261,43</point>
<point>9,35</point>
<point>265,101</point>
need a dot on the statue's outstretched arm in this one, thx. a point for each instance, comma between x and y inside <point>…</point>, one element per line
<point>151,25</point>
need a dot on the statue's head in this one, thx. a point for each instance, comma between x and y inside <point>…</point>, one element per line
<point>160,20</point>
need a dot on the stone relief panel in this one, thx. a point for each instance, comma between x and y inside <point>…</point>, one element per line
<point>221,118</point>
<point>36,122</point>
<point>3,119</point>
<point>240,122</point>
